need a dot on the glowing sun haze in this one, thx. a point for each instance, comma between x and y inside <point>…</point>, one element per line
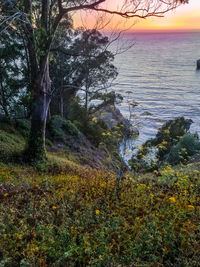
<point>186,17</point>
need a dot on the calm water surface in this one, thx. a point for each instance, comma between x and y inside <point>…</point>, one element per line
<point>159,72</point>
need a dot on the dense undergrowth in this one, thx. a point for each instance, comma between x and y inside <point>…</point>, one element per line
<point>75,218</point>
<point>12,141</point>
<point>66,214</point>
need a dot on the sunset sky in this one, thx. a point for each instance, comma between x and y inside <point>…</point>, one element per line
<point>185,17</point>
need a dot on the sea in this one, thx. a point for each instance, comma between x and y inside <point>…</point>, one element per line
<point>157,70</point>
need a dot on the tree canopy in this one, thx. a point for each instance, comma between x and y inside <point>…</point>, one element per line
<point>38,22</point>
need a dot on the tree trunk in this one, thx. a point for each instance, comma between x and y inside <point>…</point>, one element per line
<point>41,100</point>
<point>61,105</point>
<point>86,99</point>
<point>49,114</point>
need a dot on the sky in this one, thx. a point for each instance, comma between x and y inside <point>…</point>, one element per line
<point>186,17</point>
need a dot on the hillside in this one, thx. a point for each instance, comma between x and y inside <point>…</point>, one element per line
<point>73,215</point>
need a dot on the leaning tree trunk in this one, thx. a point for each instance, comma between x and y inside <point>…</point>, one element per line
<point>41,100</point>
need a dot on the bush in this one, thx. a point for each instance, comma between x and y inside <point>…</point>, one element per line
<point>23,126</point>
<point>11,145</point>
<point>173,144</point>
<point>169,135</point>
<point>188,146</point>
<point>60,128</point>
<point>83,120</point>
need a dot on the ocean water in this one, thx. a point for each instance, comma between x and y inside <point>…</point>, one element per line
<point>159,73</point>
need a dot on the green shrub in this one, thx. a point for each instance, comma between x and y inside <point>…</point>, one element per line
<point>172,144</point>
<point>23,126</point>
<point>60,128</point>
<point>169,135</point>
<point>187,146</point>
<point>11,145</point>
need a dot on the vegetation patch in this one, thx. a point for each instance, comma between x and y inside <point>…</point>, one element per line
<point>78,220</point>
<point>11,145</point>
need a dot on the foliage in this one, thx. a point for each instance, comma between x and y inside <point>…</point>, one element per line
<point>173,144</point>
<point>60,128</point>
<point>11,145</point>
<point>12,71</point>
<point>169,135</point>
<point>77,220</point>
<point>84,122</point>
<point>82,62</point>
<point>23,126</point>
<point>111,98</point>
<point>187,146</point>
<point>94,64</point>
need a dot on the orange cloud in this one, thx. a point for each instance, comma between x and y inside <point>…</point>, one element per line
<point>185,17</point>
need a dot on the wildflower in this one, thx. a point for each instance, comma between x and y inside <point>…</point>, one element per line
<point>172,199</point>
<point>54,207</point>
<point>6,194</point>
<point>94,119</point>
<point>190,207</point>
<point>166,131</point>
<point>97,212</point>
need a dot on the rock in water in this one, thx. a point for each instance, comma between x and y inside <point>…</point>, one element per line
<point>198,64</point>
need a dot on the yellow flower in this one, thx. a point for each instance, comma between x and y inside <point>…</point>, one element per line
<point>6,194</point>
<point>94,119</point>
<point>97,212</point>
<point>54,207</point>
<point>172,199</point>
<point>190,207</point>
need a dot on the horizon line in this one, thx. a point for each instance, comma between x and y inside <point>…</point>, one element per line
<point>153,30</point>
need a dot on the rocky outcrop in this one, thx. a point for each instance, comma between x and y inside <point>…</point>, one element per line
<point>113,117</point>
<point>65,137</point>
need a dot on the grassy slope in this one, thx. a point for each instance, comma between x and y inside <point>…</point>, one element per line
<point>11,142</point>
<point>72,216</point>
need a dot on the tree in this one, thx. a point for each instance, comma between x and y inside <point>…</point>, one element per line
<point>39,21</point>
<point>95,65</point>
<point>11,72</point>
<point>62,67</point>
<point>82,64</point>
